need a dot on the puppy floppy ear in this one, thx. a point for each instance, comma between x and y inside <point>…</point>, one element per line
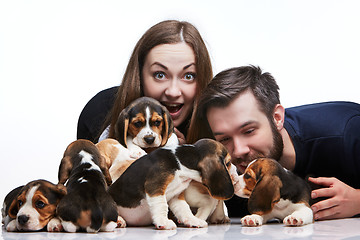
<point>105,170</point>
<point>265,194</point>
<point>11,198</point>
<point>168,128</point>
<point>121,127</point>
<point>216,178</point>
<point>65,169</point>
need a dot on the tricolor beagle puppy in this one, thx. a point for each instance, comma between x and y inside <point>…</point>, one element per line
<point>208,208</point>
<point>274,192</point>
<point>32,207</point>
<point>157,181</point>
<point>145,124</point>
<point>87,205</point>
<point>117,157</point>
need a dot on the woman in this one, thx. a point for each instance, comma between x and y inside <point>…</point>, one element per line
<point>170,63</point>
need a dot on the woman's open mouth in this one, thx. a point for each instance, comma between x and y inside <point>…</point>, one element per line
<point>173,108</point>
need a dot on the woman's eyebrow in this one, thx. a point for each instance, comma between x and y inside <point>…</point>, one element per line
<point>160,65</point>
<point>189,65</point>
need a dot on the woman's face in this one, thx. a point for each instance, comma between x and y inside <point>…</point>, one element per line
<point>169,76</point>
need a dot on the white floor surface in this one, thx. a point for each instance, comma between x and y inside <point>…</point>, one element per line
<point>322,230</point>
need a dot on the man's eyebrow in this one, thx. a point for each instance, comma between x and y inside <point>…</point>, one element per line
<point>240,127</point>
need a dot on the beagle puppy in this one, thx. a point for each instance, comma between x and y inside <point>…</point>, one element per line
<point>144,125</point>
<point>32,207</point>
<point>208,208</point>
<point>156,182</point>
<point>117,157</point>
<point>87,205</point>
<point>274,192</point>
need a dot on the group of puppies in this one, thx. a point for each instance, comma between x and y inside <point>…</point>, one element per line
<point>136,179</point>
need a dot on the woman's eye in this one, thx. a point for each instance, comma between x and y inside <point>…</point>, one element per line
<point>159,75</point>
<point>40,204</point>
<point>189,76</point>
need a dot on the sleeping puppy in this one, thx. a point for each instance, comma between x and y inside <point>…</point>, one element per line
<point>274,192</point>
<point>32,207</point>
<point>156,181</point>
<point>144,125</point>
<point>87,206</point>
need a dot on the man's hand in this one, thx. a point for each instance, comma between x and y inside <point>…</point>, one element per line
<point>342,200</point>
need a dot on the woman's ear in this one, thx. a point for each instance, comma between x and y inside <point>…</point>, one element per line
<point>279,116</point>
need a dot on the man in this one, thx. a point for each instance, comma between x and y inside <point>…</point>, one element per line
<point>243,111</point>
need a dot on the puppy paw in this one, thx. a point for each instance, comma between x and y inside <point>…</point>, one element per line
<point>11,227</point>
<point>293,221</point>
<point>165,224</point>
<point>253,220</point>
<point>121,222</point>
<point>54,225</point>
<point>194,222</point>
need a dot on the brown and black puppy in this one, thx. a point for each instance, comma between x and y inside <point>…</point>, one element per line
<point>145,124</point>
<point>157,181</point>
<point>87,206</point>
<point>274,192</point>
<point>32,207</point>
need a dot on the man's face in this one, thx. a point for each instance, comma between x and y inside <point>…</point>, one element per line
<point>245,131</point>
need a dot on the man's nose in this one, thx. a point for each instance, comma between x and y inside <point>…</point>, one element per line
<point>240,148</point>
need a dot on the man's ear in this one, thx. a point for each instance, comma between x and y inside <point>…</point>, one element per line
<point>279,116</point>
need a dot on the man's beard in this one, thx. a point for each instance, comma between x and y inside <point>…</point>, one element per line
<point>275,152</point>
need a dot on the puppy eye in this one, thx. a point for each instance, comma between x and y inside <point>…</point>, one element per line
<point>157,123</point>
<point>20,203</point>
<point>138,124</point>
<point>40,204</point>
<point>247,176</point>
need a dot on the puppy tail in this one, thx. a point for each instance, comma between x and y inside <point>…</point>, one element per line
<point>96,218</point>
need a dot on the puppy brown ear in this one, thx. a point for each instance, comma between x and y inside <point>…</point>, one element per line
<point>168,126</point>
<point>64,169</point>
<point>61,190</point>
<point>13,209</point>
<point>105,170</point>
<point>216,178</point>
<point>265,194</point>
<point>121,127</point>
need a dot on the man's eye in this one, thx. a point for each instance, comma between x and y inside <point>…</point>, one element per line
<point>159,75</point>
<point>249,131</point>
<point>224,140</point>
<point>190,76</point>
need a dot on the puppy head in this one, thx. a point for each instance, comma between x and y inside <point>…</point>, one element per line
<point>35,205</point>
<point>74,156</point>
<point>146,122</point>
<point>261,184</point>
<point>214,167</point>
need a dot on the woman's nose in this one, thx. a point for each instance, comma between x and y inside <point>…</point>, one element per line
<point>173,89</point>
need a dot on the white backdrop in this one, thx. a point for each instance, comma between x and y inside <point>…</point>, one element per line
<point>56,55</point>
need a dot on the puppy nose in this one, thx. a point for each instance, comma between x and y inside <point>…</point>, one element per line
<point>149,140</point>
<point>22,219</point>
